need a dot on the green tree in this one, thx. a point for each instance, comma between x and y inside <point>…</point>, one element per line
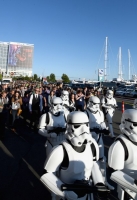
<point>32,78</point>
<point>48,78</point>
<point>18,77</point>
<point>65,78</point>
<point>14,78</point>
<point>35,76</point>
<point>38,79</point>
<point>27,78</point>
<point>0,76</point>
<point>52,78</point>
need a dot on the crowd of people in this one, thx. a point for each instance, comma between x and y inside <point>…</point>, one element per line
<point>16,99</point>
<point>73,122</point>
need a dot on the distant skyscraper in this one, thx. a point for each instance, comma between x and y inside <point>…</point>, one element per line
<point>3,56</point>
<point>16,58</point>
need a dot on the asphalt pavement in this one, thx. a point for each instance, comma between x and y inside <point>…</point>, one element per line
<point>22,157</point>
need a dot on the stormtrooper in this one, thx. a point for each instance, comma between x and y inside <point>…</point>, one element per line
<point>108,106</point>
<point>76,161</point>
<point>52,125</point>
<point>65,99</point>
<point>126,182</point>
<point>97,128</point>
<point>122,154</point>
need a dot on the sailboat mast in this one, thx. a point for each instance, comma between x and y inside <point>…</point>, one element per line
<point>120,65</point>
<point>106,59</point>
<point>128,64</point>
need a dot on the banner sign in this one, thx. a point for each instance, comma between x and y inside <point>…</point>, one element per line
<point>101,75</point>
<point>20,55</point>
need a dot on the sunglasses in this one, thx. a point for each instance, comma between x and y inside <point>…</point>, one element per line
<point>94,103</point>
<point>57,104</point>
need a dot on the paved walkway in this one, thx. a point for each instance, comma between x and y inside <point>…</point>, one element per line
<point>22,156</point>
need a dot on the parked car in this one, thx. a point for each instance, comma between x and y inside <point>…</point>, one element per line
<point>120,91</point>
<point>127,92</point>
<point>89,86</point>
<point>6,82</point>
<point>133,93</point>
<point>75,86</point>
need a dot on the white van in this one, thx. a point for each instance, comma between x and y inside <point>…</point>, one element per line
<point>6,80</point>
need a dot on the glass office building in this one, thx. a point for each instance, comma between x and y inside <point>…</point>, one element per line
<point>16,58</point>
<point>3,56</point>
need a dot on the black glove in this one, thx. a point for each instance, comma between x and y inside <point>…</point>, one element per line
<point>101,195</point>
<point>80,193</point>
<point>135,181</point>
<point>105,131</point>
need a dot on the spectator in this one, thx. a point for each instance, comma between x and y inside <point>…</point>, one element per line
<point>72,99</point>
<point>35,108</point>
<point>10,95</point>
<point>4,107</point>
<point>16,105</point>
<point>92,91</point>
<point>54,89</point>
<point>25,106</point>
<point>40,90</point>
<point>72,106</point>
<point>50,97</point>
<point>46,92</point>
<point>80,100</point>
<point>59,90</point>
<point>104,91</point>
<point>45,105</point>
<point>69,90</point>
<point>85,90</point>
<point>88,95</point>
<point>22,90</point>
<point>96,93</point>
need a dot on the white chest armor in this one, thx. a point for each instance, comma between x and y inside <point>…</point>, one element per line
<point>56,121</point>
<point>65,102</point>
<point>111,101</point>
<point>80,164</point>
<point>130,165</point>
<point>95,119</point>
<point>108,101</point>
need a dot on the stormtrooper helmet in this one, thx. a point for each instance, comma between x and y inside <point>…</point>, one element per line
<point>65,95</point>
<point>109,94</point>
<point>56,106</point>
<point>94,104</point>
<point>78,132</point>
<point>128,124</point>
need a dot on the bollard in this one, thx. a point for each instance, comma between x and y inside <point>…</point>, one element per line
<point>123,107</point>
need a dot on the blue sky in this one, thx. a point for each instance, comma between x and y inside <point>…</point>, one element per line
<point>69,35</point>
